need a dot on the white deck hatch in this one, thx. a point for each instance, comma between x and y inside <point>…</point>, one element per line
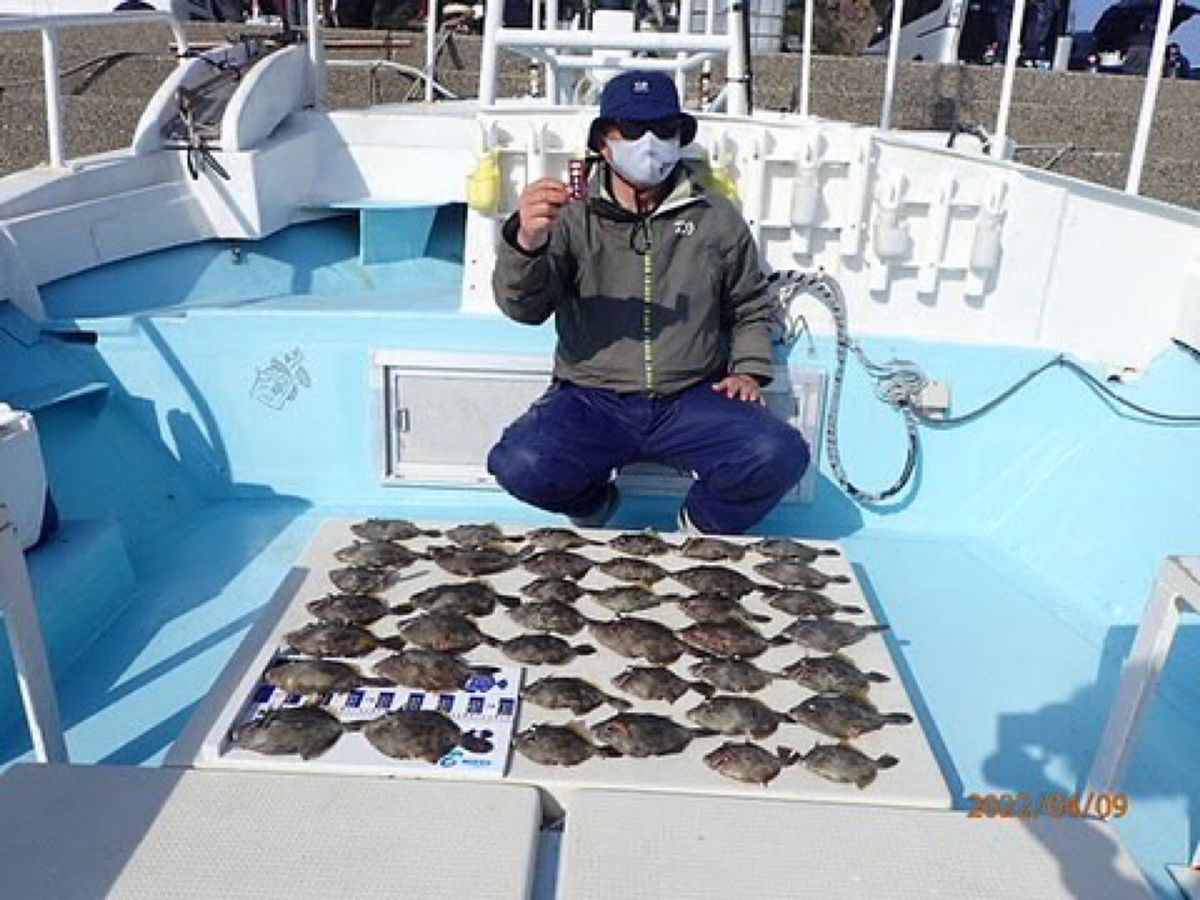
<point>441,412</point>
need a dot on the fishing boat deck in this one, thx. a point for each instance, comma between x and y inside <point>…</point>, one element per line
<point>1012,575</point>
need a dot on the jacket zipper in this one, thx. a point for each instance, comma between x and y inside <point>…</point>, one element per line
<point>648,310</point>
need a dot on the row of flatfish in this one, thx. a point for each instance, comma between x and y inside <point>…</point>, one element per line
<point>429,647</point>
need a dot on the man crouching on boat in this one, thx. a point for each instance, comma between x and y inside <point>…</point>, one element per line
<point>663,329</point>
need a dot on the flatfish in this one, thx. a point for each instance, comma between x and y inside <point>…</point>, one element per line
<point>843,763</point>
<point>377,555</point>
<point>361,580</point>
<point>304,731</point>
<point>803,602</point>
<point>731,714</point>
<point>549,616</point>
<point>636,638</point>
<point>429,670</point>
<point>645,543</point>
<point>639,571</point>
<point>476,537</point>
<point>716,579</point>
<point>575,694</point>
<point>629,598</point>
<point>644,734</point>
<point>828,635</point>
<point>557,745</point>
<point>712,549</point>
<point>421,734</point>
<point>543,650</point>
<point>353,609</point>
<point>466,598</point>
<point>833,675</point>
<point>658,683</point>
<point>844,717</point>
<point>737,676</point>
<point>726,639</point>
<point>312,677</point>
<point>444,632</point>
<point>390,530</point>
<point>558,564</point>
<point>790,573</point>
<point>749,762</point>
<point>557,539</point>
<point>472,563</point>
<point>336,639</point>
<point>562,590</point>
<point>717,608</point>
<point>782,548</point>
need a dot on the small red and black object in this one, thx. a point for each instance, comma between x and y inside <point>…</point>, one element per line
<point>577,171</point>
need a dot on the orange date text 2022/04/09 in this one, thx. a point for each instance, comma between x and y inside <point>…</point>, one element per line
<point>1083,805</point>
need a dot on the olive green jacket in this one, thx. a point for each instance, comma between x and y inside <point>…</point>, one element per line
<point>650,304</point>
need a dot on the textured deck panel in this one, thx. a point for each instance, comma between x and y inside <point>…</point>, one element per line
<point>146,834</point>
<point>916,781</point>
<point>666,846</point>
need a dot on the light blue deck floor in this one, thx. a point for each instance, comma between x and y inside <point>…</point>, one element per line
<point>1017,715</point>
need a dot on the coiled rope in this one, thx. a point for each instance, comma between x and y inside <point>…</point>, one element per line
<point>898,382</point>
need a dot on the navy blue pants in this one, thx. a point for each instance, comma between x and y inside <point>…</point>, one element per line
<point>561,453</point>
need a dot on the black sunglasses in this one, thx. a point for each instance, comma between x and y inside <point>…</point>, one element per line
<point>665,129</point>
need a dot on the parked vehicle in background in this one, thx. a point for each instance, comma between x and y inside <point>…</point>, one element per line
<point>973,31</point>
<point>1119,42</point>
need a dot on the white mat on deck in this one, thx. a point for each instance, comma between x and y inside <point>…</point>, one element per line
<point>916,781</point>
<point>666,846</point>
<point>147,834</point>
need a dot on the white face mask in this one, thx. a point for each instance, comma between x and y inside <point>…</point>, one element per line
<point>647,161</point>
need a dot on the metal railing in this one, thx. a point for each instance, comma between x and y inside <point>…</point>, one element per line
<point>49,27</point>
<point>681,52</point>
<point>1137,158</point>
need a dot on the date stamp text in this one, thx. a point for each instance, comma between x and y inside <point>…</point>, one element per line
<point>1084,805</point>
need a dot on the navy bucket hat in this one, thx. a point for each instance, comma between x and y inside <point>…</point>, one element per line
<point>640,97</point>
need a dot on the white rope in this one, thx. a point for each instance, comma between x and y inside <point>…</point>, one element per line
<point>898,382</point>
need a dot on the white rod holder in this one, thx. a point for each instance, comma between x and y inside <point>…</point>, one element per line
<point>1141,139</point>
<point>889,78</point>
<point>28,649</point>
<point>1010,75</point>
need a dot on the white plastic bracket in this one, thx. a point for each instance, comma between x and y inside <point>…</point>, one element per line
<point>857,196</point>
<point>806,193</point>
<point>536,166</point>
<point>939,231</point>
